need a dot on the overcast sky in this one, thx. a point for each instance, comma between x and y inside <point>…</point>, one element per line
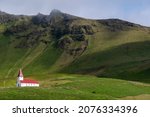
<point>137,11</point>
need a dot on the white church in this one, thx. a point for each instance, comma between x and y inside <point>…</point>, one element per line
<point>21,82</point>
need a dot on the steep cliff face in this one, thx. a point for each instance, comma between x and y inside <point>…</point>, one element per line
<point>60,26</point>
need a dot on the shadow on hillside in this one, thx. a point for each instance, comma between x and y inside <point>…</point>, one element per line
<point>129,61</point>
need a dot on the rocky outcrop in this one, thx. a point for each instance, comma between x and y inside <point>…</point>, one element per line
<point>76,51</point>
<point>16,29</point>
<point>40,19</point>
<point>5,17</point>
<point>73,46</point>
<point>117,24</point>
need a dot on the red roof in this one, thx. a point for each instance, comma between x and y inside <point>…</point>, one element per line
<point>29,81</point>
<point>20,74</point>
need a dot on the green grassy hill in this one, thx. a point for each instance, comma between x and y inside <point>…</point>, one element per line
<point>111,52</point>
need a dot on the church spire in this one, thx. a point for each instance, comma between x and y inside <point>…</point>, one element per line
<point>20,75</point>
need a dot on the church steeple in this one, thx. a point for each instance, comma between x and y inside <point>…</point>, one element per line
<point>20,75</point>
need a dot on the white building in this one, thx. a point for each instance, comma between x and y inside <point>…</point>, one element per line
<point>21,82</point>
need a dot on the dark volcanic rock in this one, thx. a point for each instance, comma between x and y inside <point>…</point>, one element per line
<point>81,29</point>
<point>15,29</point>
<point>39,19</point>
<point>117,24</point>
<point>78,50</point>
<point>57,16</point>
<point>66,42</point>
<point>78,37</point>
<point>5,18</point>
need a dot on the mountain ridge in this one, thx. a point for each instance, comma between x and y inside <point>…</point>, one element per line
<point>55,12</point>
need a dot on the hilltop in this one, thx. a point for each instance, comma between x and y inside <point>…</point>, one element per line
<point>60,43</point>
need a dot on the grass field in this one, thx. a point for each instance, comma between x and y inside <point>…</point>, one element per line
<point>69,86</point>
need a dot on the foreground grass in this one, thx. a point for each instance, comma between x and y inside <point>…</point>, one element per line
<point>62,86</point>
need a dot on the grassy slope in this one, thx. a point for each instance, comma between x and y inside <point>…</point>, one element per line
<point>122,54</point>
